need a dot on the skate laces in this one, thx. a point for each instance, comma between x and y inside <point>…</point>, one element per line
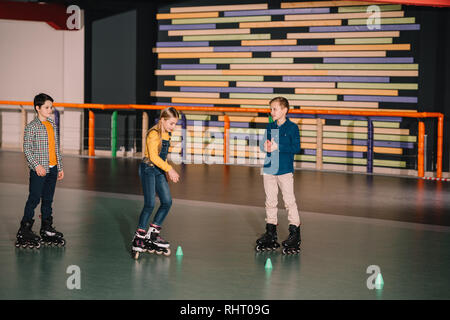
<point>160,239</point>
<point>268,236</point>
<point>292,236</point>
<point>140,234</point>
<point>50,228</point>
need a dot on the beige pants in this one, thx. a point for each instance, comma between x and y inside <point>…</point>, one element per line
<point>286,184</point>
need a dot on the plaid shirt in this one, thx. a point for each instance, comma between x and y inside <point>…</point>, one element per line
<point>35,145</point>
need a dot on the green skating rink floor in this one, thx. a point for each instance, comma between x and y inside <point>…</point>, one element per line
<point>219,261</point>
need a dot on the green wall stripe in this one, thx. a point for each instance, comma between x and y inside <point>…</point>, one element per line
<point>376,124</point>
<point>389,7</point>
<point>363,41</point>
<point>327,97</point>
<point>359,85</point>
<point>367,66</point>
<point>305,133</point>
<point>305,157</point>
<point>381,124</point>
<point>389,163</point>
<point>345,160</point>
<point>391,137</point>
<point>353,22</point>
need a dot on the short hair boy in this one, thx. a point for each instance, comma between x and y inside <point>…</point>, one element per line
<point>281,143</point>
<point>42,153</point>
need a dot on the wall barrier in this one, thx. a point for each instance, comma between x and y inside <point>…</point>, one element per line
<point>225,110</point>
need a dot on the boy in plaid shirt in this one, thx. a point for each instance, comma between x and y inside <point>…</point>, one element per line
<point>41,148</point>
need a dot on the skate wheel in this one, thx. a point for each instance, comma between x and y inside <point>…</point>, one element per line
<point>38,245</point>
<point>151,250</point>
<point>258,248</point>
<point>285,251</point>
<point>167,253</point>
<point>17,245</point>
<point>159,252</point>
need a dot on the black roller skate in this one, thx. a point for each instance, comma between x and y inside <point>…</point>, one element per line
<point>140,243</point>
<point>49,236</point>
<point>26,237</point>
<point>155,242</point>
<point>268,241</point>
<point>292,244</point>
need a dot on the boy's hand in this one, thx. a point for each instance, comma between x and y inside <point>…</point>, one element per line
<point>40,171</point>
<point>267,145</point>
<point>61,175</point>
<point>273,145</point>
<point>173,175</point>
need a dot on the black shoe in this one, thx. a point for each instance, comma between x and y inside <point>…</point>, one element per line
<point>50,235</point>
<point>26,237</point>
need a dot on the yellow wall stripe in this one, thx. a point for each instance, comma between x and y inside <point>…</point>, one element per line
<point>259,6</point>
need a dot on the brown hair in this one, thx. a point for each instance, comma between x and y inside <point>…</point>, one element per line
<point>40,99</point>
<point>167,113</point>
<point>282,100</point>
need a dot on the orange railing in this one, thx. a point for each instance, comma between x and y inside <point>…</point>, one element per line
<point>417,115</point>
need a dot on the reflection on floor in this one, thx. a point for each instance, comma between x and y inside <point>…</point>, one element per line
<point>217,231</point>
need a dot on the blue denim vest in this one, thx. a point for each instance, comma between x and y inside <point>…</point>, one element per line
<point>164,149</point>
<point>165,144</point>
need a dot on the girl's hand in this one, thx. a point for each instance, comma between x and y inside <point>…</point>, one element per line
<point>61,175</point>
<point>40,171</point>
<point>173,175</point>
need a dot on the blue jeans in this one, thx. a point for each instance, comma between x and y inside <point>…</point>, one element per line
<point>41,188</point>
<point>154,182</point>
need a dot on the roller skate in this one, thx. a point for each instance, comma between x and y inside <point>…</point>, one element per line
<point>292,244</point>
<point>268,241</point>
<point>49,236</point>
<point>155,242</point>
<point>26,237</point>
<point>139,244</point>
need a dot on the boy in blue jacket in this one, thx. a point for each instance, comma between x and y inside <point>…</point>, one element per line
<point>281,143</point>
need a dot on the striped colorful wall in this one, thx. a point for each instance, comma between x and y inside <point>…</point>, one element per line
<point>319,55</point>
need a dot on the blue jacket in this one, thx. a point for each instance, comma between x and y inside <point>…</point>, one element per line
<point>287,136</point>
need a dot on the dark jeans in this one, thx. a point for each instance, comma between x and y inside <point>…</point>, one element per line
<point>154,182</point>
<point>41,188</point>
